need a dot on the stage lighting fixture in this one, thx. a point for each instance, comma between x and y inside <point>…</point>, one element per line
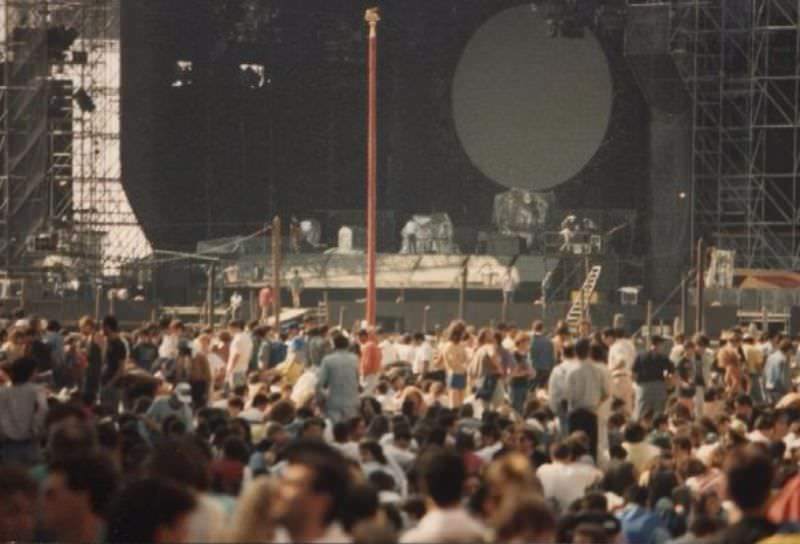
<point>252,75</point>
<point>84,101</point>
<point>184,70</point>
<point>80,57</point>
<point>59,40</point>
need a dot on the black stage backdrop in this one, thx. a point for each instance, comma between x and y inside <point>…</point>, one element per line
<point>215,158</point>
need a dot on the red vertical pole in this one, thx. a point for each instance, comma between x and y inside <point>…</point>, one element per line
<point>372,19</point>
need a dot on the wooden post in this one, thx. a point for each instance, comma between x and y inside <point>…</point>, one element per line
<point>698,317</point>
<point>98,296</point>
<point>584,298</point>
<point>212,272</point>
<point>342,309</point>
<point>276,270</point>
<point>462,292</point>
<point>372,17</point>
<point>765,318</point>
<point>684,300</point>
<point>326,301</point>
<point>649,321</point>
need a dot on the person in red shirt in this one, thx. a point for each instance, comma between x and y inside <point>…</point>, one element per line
<point>369,367</point>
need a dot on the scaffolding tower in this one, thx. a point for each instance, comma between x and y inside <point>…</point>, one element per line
<point>61,197</point>
<point>23,127</point>
<point>739,60</point>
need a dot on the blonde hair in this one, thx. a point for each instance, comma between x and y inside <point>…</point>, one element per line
<point>252,521</point>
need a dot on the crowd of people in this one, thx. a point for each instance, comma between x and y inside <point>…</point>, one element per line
<point>175,433</point>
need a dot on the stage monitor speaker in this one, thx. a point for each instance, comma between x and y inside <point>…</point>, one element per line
<point>718,319</point>
<point>649,53</point>
<point>794,321</point>
<point>492,243</point>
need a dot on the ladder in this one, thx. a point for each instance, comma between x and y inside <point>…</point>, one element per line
<point>577,310</point>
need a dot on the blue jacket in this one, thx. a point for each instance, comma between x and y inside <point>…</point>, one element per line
<point>641,526</point>
<point>776,373</point>
<point>338,377</point>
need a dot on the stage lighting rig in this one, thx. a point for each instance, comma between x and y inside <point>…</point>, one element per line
<point>184,73</point>
<point>252,76</point>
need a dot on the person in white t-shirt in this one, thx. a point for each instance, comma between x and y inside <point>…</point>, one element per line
<point>239,357</point>
<point>169,343</point>
<point>441,477</point>
<point>388,350</point>
<point>423,354</point>
<point>405,349</point>
<point>564,481</point>
<point>621,356</point>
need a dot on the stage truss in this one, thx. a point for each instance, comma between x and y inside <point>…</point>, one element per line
<point>60,188</point>
<point>739,60</point>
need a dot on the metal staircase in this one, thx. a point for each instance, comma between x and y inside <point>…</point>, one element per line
<point>578,308</point>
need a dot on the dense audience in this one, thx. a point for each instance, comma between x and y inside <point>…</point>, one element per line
<point>173,433</point>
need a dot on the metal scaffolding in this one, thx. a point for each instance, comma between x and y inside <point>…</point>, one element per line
<point>60,187</point>
<point>23,127</point>
<point>739,60</point>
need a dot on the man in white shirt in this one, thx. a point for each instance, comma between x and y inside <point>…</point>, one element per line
<point>490,436</point>
<point>255,413</point>
<point>640,452</point>
<point>423,354</point>
<point>240,351</point>
<point>441,478</point>
<point>405,349</point>
<point>342,441</point>
<point>388,349</point>
<point>169,343</point>
<point>557,387</point>
<point>564,481</point>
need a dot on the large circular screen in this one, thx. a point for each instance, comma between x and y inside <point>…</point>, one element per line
<point>531,110</point>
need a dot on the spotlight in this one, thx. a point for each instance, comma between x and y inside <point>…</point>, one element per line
<point>59,40</point>
<point>84,101</point>
<point>682,195</point>
<point>184,73</point>
<point>252,75</point>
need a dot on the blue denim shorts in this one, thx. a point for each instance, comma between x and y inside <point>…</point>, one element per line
<point>457,381</point>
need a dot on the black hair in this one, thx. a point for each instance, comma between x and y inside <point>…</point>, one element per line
<point>341,431</point>
<point>561,450</point>
<point>236,449</point>
<point>236,324</point>
<point>634,432</point>
<point>259,400</point>
<point>182,461</point>
<point>22,370</point>
<point>490,430</point>
<point>749,477</point>
<point>144,507</point>
<point>582,348</point>
<point>340,341</point>
<point>441,476</point>
<point>375,450</point>
<point>363,505</point>
<point>330,472</point>
<point>110,322</point>
<point>94,474</point>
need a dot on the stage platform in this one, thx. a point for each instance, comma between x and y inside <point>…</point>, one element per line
<point>394,271</point>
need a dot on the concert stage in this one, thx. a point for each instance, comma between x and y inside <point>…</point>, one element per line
<point>394,271</point>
